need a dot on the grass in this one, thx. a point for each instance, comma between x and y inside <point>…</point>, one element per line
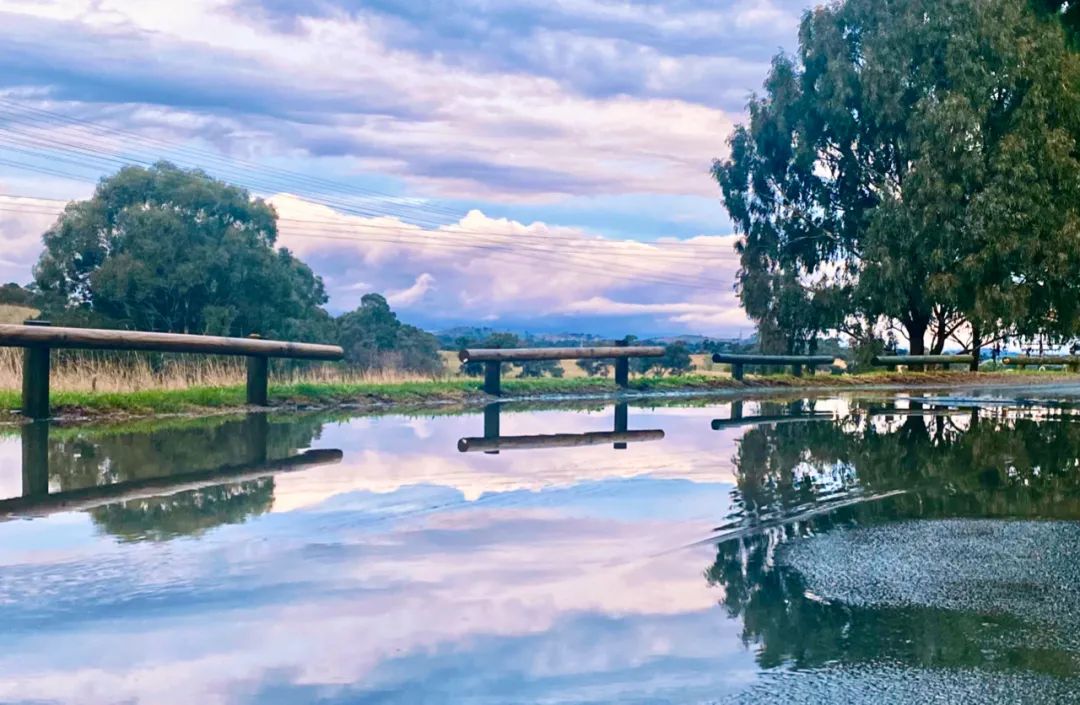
<point>15,314</point>
<point>377,394</point>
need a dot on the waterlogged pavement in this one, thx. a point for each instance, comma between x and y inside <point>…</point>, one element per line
<point>883,548</point>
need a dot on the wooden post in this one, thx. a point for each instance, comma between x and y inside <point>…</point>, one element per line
<point>492,371</point>
<point>737,409</point>
<point>622,422</point>
<point>797,370</point>
<point>257,430</point>
<point>35,391</point>
<point>491,424</point>
<point>622,366</point>
<point>35,458</point>
<point>258,378</point>
<point>736,370</point>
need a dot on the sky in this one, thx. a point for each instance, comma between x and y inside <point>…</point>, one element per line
<point>535,165</point>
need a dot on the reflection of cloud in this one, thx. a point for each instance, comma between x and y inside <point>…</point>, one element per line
<point>399,461</point>
<point>566,585</point>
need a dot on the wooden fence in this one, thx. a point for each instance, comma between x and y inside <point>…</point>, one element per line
<point>37,500</point>
<point>797,362</point>
<point>493,359</point>
<point>895,360</point>
<point>38,338</point>
<point>1071,362</point>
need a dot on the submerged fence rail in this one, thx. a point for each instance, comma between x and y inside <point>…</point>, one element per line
<point>797,362</point>
<point>493,359</point>
<point>38,338</point>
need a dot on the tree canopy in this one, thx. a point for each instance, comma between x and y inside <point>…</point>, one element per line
<point>914,162</point>
<point>375,339</point>
<point>170,249</point>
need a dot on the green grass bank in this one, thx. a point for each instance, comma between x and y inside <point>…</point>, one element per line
<point>197,400</point>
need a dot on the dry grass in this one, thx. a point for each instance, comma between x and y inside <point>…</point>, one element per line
<point>134,372</point>
<point>15,314</point>
<point>703,365</point>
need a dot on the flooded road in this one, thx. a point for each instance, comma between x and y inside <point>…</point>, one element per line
<point>881,548</point>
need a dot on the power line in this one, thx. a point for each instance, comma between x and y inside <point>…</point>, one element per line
<point>607,269</point>
<point>415,213</point>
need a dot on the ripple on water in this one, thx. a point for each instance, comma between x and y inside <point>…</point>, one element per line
<point>888,684</point>
<point>1027,569</point>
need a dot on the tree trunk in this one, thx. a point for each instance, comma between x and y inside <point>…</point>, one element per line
<point>976,349</point>
<point>916,326</point>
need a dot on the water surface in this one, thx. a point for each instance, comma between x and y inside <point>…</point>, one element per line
<point>886,548</point>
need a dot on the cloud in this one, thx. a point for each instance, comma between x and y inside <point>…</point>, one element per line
<point>529,275</point>
<point>407,297</point>
<point>526,276</point>
<point>458,129</point>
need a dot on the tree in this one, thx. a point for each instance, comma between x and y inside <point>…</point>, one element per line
<point>538,368</point>
<point>374,338</point>
<point>595,367</point>
<point>494,341</point>
<point>169,249</point>
<point>676,359</point>
<point>14,295</point>
<point>915,162</point>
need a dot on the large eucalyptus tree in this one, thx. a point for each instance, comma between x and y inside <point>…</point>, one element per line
<point>915,161</point>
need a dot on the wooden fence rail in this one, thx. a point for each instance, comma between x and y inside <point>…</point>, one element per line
<point>894,360</point>
<point>1072,362</point>
<point>797,362</point>
<point>38,338</point>
<point>493,359</point>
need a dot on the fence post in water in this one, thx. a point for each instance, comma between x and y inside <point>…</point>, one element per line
<point>35,389</point>
<point>622,366</point>
<point>622,422</point>
<point>258,378</point>
<point>35,458</point>
<point>491,424</point>
<point>492,371</point>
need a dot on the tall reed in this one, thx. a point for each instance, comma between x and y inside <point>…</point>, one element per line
<point>129,371</point>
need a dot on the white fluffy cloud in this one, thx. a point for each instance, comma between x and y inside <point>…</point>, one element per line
<point>478,269</point>
<point>492,269</point>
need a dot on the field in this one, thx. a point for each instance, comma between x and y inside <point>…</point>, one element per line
<point>703,365</point>
<point>15,314</point>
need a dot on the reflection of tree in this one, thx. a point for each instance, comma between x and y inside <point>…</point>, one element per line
<point>791,626</point>
<point>114,456</point>
<point>991,463</point>
<point>186,513</point>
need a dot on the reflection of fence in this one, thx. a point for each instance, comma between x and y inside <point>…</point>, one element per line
<point>797,362</point>
<point>795,414</point>
<point>37,500</point>
<point>492,442</point>
<point>493,359</point>
<point>38,338</point>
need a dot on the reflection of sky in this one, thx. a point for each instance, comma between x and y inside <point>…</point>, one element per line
<point>408,573</point>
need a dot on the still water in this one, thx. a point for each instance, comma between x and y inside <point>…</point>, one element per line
<point>888,548</point>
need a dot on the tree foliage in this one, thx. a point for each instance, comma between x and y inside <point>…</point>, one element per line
<point>170,249</point>
<point>14,295</point>
<point>914,162</point>
<point>375,339</point>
